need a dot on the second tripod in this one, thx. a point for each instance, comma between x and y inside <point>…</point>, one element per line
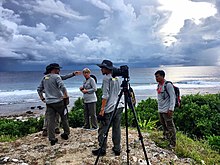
<point>128,102</point>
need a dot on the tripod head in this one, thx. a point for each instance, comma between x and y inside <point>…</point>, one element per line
<point>125,83</point>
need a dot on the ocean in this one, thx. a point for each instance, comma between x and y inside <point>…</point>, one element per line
<point>18,89</point>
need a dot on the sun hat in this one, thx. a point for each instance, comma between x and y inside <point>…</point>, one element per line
<point>106,64</point>
<point>52,66</point>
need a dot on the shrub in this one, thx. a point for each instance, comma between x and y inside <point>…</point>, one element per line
<point>214,142</point>
<point>145,110</point>
<point>199,115</point>
<point>76,118</point>
<point>76,115</point>
<point>12,128</point>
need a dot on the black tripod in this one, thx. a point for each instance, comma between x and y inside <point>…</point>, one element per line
<point>127,99</point>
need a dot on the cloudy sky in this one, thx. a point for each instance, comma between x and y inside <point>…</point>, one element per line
<point>145,33</point>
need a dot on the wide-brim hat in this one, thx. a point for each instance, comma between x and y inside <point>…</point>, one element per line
<point>51,67</point>
<point>106,64</point>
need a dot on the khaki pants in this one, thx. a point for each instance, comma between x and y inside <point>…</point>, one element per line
<point>169,129</point>
<point>52,110</point>
<point>116,130</point>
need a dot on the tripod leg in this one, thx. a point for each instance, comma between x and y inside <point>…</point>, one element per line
<point>126,125</point>
<point>136,122</point>
<point>105,135</point>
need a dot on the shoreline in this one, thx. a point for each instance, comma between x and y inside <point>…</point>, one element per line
<point>33,110</point>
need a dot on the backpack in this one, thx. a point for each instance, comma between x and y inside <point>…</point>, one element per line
<point>133,99</point>
<point>177,93</point>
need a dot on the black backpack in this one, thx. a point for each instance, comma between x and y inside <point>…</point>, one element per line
<point>177,93</point>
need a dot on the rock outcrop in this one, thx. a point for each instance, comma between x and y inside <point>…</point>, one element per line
<point>36,150</point>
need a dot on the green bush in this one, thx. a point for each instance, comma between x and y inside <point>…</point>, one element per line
<point>10,127</point>
<point>78,104</point>
<point>145,110</point>
<point>76,118</point>
<point>76,115</point>
<point>199,115</point>
<point>214,142</point>
<point>13,128</point>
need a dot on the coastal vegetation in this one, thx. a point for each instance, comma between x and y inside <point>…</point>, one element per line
<point>197,122</point>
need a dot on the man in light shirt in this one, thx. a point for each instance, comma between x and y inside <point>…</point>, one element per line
<point>166,103</point>
<point>110,91</point>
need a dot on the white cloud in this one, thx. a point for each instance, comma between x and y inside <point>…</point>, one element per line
<point>180,11</point>
<point>123,31</point>
<point>55,8</point>
<point>100,4</point>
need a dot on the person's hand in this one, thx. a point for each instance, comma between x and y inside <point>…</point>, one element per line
<point>84,91</point>
<point>43,99</point>
<point>66,101</point>
<point>77,73</point>
<point>81,88</point>
<point>102,112</point>
<point>170,113</point>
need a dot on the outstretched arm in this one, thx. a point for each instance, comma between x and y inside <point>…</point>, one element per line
<point>75,73</point>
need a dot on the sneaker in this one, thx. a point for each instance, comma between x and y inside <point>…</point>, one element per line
<point>64,136</point>
<point>117,153</point>
<point>44,133</point>
<point>96,152</point>
<point>53,142</point>
<point>57,131</point>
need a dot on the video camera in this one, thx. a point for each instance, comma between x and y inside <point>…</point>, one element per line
<point>122,71</point>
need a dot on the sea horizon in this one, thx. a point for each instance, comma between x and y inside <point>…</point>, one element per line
<point>18,89</point>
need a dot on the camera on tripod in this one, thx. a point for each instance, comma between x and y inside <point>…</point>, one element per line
<point>122,71</point>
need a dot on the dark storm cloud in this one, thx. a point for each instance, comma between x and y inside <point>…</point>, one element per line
<point>37,32</point>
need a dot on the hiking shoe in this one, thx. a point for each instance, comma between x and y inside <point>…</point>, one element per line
<point>57,131</point>
<point>96,152</point>
<point>64,136</point>
<point>44,133</point>
<point>117,153</point>
<point>53,142</point>
<point>85,127</point>
<point>94,128</point>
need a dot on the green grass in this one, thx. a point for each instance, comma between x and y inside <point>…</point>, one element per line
<point>186,147</point>
<point>7,138</point>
